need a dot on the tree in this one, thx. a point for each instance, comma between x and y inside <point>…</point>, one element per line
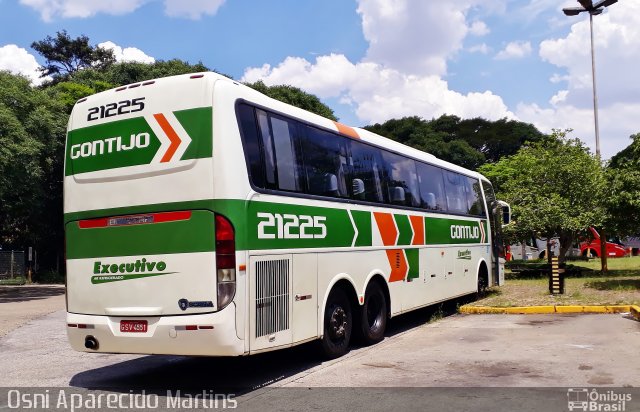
<point>65,56</point>
<point>437,137</point>
<point>555,187</point>
<point>469,143</point>
<point>621,197</point>
<point>32,132</point>
<point>295,97</point>
<point>498,138</point>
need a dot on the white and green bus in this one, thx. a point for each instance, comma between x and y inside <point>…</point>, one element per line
<point>204,218</point>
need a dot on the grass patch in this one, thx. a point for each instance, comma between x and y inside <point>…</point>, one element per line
<point>619,286</point>
<point>17,281</point>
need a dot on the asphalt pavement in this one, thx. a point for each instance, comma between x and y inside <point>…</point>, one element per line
<point>478,354</point>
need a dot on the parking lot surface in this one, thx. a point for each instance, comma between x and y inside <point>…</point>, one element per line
<point>457,362</point>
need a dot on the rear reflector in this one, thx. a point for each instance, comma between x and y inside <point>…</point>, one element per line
<point>194,327</point>
<point>134,219</point>
<point>196,76</point>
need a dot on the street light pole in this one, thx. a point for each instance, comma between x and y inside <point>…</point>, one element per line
<point>593,10</point>
<point>595,93</point>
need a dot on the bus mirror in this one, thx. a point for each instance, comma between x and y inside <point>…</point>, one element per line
<point>506,212</point>
<point>397,194</point>
<point>358,187</point>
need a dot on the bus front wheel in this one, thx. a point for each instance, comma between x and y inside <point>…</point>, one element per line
<point>338,323</point>
<point>373,314</point>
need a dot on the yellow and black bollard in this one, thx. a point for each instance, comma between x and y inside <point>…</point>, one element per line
<point>556,281</point>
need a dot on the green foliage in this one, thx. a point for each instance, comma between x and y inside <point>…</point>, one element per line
<point>295,97</point>
<point>65,56</point>
<point>555,187</point>
<point>131,72</point>
<point>622,192</point>
<point>436,137</point>
<point>69,93</point>
<point>469,143</point>
<point>32,130</point>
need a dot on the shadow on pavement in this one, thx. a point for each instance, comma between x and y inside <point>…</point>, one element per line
<point>12,294</point>
<point>238,375</point>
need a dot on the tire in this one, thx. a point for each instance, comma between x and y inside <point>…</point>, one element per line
<point>483,283</point>
<point>338,324</point>
<point>373,314</point>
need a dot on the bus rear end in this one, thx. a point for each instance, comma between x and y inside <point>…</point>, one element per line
<point>150,264</point>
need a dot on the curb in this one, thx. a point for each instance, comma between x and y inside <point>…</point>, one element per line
<point>634,310</point>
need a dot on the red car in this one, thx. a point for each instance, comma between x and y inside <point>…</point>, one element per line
<point>592,248</point>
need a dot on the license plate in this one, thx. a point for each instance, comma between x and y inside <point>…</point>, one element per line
<point>139,326</point>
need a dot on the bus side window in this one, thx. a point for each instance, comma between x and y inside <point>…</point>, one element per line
<point>366,162</point>
<point>251,142</point>
<point>431,187</point>
<point>280,154</point>
<point>474,197</point>
<point>400,179</point>
<point>455,189</point>
<point>325,162</point>
<point>267,149</point>
<point>287,164</point>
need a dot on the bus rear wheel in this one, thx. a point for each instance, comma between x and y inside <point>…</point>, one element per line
<point>373,319</point>
<point>338,324</point>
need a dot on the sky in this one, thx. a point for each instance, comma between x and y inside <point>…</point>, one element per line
<point>374,60</point>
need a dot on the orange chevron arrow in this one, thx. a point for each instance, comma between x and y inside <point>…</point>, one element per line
<point>399,265</point>
<point>171,134</point>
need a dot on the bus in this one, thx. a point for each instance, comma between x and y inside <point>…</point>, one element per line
<point>204,218</point>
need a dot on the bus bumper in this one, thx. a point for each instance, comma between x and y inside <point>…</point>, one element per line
<point>211,334</point>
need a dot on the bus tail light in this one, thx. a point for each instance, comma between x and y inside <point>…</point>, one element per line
<point>225,261</point>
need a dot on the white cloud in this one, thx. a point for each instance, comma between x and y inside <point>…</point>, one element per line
<point>192,9</point>
<point>51,9</point>
<point>479,28</point>
<point>617,123</point>
<point>617,58</point>
<point>559,97</point>
<point>127,54</point>
<point>401,73</point>
<point>19,61</point>
<point>558,78</point>
<point>514,50</point>
<point>479,48</point>
<point>415,37</point>
<point>378,93</point>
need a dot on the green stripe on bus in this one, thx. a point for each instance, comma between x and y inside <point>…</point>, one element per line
<point>414,263</point>
<point>362,221</point>
<point>199,126</point>
<point>290,226</point>
<point>405,233</point>
<point>442,231</point>
<point>132,142</point>
<point>110,145</point>
<point>286,226</point>
<point>182,236</point>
